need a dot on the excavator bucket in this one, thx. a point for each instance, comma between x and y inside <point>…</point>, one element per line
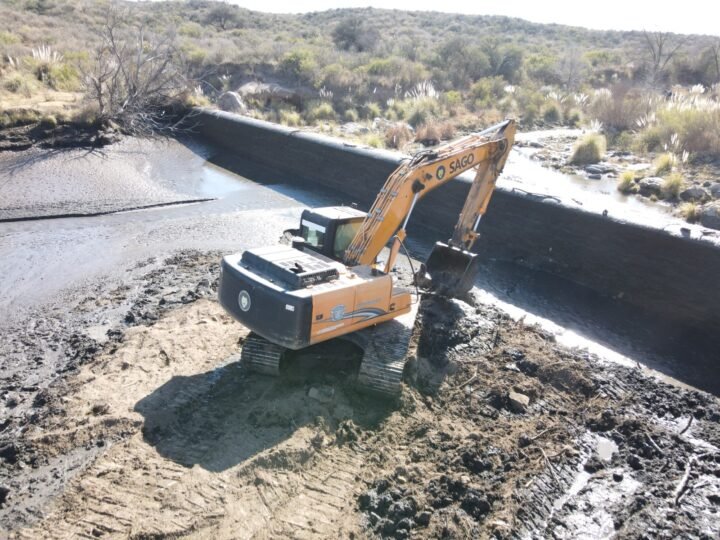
<point>449,271</point>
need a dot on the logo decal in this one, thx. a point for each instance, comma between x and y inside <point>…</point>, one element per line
<point>244,300</point>
<point>337,313</point>
<point>440,173</point>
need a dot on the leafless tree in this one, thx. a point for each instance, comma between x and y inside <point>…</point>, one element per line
<point>136,76</point>
<point>661,48</point>
<point>715,53</point>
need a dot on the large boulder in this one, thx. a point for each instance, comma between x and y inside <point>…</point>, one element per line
<point>715,190</point>
<point>652,185</point>
<point>231,102</point>
<point>694,194</point>
<point>710,215</point>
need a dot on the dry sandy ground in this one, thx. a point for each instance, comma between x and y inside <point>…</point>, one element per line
<point>158,432</point>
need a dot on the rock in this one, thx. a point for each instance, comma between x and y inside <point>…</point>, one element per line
<point>635,462</point>
<point>710,215</point>
<point>231,102</point>
<point>4,493</point>
<point>354,128</point>
<point>652,185</point>
<point>323,394</point>
<point>475,504</point>
<point>423,518</point>
<point>595,176</point>
<point>518,402</point>
<point>593,465</point>
<point>9,453</point>
<point>598,168</point>
<point>694,194</point>
<point>715,190</point>
<point>618,476</point>
<point>405,524</point>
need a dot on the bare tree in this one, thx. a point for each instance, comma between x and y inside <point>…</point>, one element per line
<point>136,76</point>
<point>715,52</point>
<point>661,48</point>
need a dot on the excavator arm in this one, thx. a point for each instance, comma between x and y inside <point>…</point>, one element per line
<point>486,152</point>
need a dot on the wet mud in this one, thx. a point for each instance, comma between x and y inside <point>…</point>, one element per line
<point>148,426</point>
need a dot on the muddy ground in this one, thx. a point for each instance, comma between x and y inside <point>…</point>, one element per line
<point>126,413</point>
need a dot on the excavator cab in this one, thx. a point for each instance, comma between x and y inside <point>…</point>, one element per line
<point>327,231</point>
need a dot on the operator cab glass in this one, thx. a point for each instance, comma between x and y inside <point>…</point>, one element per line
<point>344,234</point>
<point>313,234</point>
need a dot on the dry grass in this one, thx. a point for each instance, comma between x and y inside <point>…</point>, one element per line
<point>397,136</point>
<point>690,211</point>
<point>672,186</point>
<point>664,164</point>
<point>589,150</point>
<point>626,184</point>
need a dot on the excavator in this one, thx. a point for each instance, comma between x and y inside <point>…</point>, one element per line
<point>325,280</point>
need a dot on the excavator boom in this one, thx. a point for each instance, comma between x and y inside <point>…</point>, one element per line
<point>486,152</point>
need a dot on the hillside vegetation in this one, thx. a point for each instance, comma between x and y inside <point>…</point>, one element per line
<point>434,73</point>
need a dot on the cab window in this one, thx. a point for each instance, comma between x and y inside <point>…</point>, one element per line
<point>313,234</point>
<point>343,236</point>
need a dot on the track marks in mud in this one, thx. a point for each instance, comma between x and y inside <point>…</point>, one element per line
<point>192,443</point>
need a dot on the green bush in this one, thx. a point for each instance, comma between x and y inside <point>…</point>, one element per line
<point>8,38</point>
<point>299,63</point>
<point>321,111</point>
<point>672,186</point>
<point>373,140</point>
<point>487,91</point>
<point>422,110</point>
<point>289,117</point>
<point>574,118</point>
<point>551,114</point>
<point>591,149</point>
<point>371,110</point>
<point>664,164</point>
<point>351,115</point>
<point>627,183</point>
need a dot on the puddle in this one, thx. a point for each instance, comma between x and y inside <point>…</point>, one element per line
<point>605,448</point>
<point>217,182</point>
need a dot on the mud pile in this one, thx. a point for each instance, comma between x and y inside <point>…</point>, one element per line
<point>153,429</point>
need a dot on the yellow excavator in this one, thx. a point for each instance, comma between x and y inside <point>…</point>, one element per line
<point>325,280</point>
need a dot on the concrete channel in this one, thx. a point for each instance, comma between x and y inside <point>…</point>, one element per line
<point>669,272</point>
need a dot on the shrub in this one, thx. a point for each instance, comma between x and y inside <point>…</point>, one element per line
<point>86,117</point>
<point>351,115</point>
<point>551,113</point>
<point>624,141</point>
<point>627,184</point>
<point>18,117</point>
<point>672,186</point>
<point>488,90</point>
<point>422,111</point>
<point>690,211</point>
<point>453,98</point>
<point>289,117</point>
<point>590,149</point>
<point>321,111</point>
<point>300,64</point>
<point>20,83</point>
<point>371,111</point>
<point>664,164</point>
<point>428,134</point>
<point>373,140</point>
<point>573,118</point>
<point>397,136</point>
<point>48,121</point>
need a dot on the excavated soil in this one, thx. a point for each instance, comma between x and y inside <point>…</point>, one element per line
<point>145,425</point>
